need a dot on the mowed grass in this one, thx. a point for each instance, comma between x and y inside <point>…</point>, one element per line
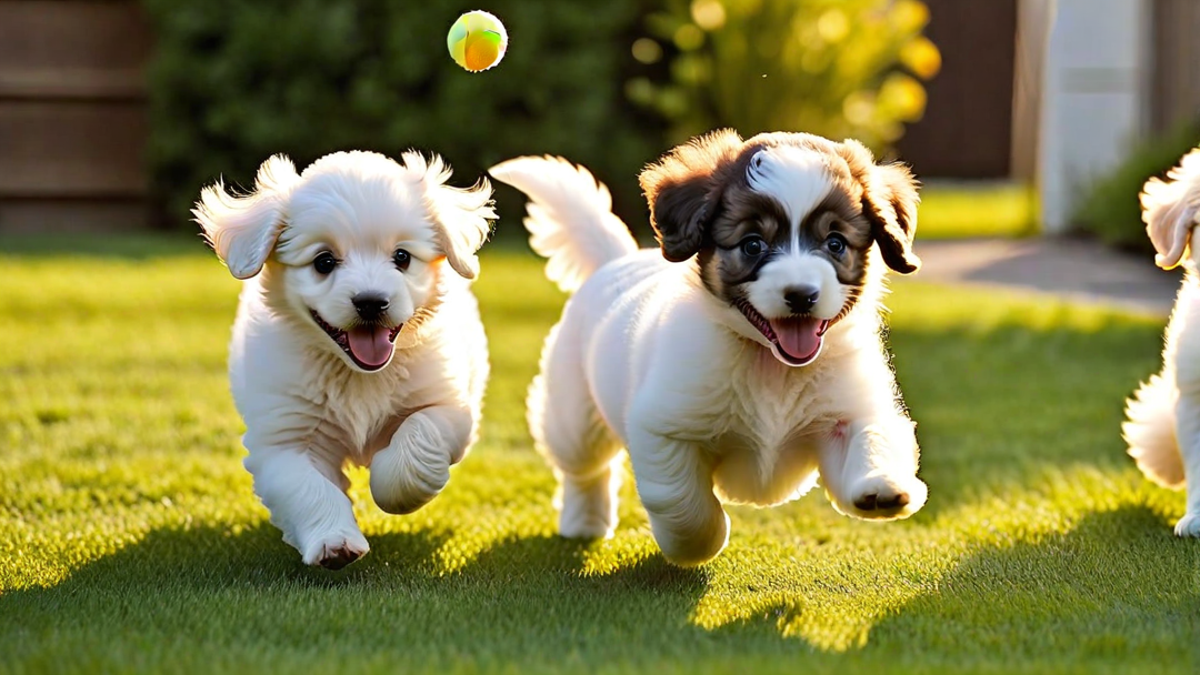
<point>969,209</point>
<point>130,540</point>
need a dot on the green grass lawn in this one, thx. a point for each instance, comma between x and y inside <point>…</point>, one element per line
<point>130,540</point>
<point>967,209</point>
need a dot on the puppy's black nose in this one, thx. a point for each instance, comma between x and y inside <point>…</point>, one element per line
<point>369,306</point>
<point>801,299</point>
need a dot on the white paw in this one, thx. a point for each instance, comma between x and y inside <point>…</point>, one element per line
<point>882,497</point>
<point>401,483</point>
<point>335,550</point>
<point>587,510</point>
<point>695,545</point>
<point>1188,526</point>
<point>584,528</point>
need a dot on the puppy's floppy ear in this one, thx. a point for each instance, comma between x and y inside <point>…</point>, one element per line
<point>462,216</point>
<point>683,191</point>
<point>889,203</point>
<point>243,230</point>
<point>1169,209</point>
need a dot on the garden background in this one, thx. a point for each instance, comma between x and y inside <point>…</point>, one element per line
<point>130,540</point>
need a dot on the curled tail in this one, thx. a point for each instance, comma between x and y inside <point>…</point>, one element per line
<point>1150,432</point>
<point>570,219</point>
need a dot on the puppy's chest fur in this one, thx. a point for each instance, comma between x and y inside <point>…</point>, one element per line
<point>767,436</point>
<point>356,413</point>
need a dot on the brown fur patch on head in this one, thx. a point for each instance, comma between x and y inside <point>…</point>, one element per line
<point>744,212</point>
<point>683,189</point>
<point>839,212</point>
<point>889,202</point>
<point>702,203</point>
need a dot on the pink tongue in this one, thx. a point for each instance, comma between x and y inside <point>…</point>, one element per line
<point>798,336</point>
<point>370,345</point>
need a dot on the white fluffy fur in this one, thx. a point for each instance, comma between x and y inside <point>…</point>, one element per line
<point>1163,426</point>
<point>645,358</point>
<point>571,257</point>
<point>308,408</point>
<point>796,176</point>
<point>796,269</point>
<point>1170,207</point>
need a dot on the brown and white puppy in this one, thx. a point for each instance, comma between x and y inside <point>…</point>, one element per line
<point>750,367</point>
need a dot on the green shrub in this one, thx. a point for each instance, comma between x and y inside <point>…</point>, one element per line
<point>838,68</point>
<point>233,82</point>
<point>1109,207</point>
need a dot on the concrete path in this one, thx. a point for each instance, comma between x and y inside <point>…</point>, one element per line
<point>1078,269</point>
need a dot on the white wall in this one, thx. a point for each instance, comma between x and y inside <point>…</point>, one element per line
<point>1093,99</point>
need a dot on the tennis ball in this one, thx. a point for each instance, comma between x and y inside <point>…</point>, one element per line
<point>477,41</point>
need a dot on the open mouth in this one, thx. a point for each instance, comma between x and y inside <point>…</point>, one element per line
<point>369,346</point>
<point>795,340</point>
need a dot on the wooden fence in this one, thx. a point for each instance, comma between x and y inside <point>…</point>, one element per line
<point>73,127</point>
<point>1175,47</point>
<point>72,115</point>
<point>967,128</point>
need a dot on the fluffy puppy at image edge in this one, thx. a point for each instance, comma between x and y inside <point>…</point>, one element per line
<point>1163,416</point>
<point>357,338</point>
<point>741,362</point>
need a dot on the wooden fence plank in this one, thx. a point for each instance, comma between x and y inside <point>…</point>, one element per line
<point>1176,64</point>
<point>87,149</point>
<point>967,128</point>
<point>73,128</point>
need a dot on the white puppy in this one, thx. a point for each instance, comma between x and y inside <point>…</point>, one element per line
<point>1163,429</point>
<point>775,252</point>
<point>357,338</point>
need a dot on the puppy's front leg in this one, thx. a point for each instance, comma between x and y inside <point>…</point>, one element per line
<point>1188,432</point>
<point>306,495</point>
<point>415,466</point>
<point>869,469</point>
<point>674,482</point>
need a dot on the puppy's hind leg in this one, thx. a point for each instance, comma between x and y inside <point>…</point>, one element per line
<point>307,500</point>
<point>1188,412</point>
<point>674,481</point>
<point>569,432</point>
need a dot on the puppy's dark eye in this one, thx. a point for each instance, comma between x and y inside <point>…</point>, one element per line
<point>324,263</point>
<point>752,247</point>
<point>402,259</point>
<point>836,244</point>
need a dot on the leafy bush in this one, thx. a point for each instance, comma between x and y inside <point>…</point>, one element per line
<point>838,68</point>
<point>1110,207</point>
<point>233,82</point>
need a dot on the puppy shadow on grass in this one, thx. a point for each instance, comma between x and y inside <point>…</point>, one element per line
<point>1119,582</point>
<point>217,559</point>
<point>248,590</point>
<point>1117,585</point>
<point>543,565</point>
<point>1115,582</point>
<point>1002,406</point>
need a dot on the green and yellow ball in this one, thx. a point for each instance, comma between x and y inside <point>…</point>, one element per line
<point>477,41</point>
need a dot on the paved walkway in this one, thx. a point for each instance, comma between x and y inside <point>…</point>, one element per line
<point>1078,269</point>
